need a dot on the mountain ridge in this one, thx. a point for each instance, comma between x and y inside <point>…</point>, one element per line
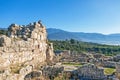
<point>58,34</point>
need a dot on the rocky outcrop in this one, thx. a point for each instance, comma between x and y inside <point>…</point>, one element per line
<point>23,46</point>
<point>118,70</point>
<point>52,71</point>
<point>90,72</point>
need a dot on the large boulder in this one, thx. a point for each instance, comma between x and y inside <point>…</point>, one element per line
<point>5,41</point>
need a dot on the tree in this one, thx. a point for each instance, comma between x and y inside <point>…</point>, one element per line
<point>72,41</point>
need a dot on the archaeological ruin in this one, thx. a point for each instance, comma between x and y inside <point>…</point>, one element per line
<point>23,49</point>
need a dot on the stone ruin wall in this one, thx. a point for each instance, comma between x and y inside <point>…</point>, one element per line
<point>91,71</point>
<point>118,70</point>
<point>25,44</point>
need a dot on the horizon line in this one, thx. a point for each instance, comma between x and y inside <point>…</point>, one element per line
<point>84,31</point>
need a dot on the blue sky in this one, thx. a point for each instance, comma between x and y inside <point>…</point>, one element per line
<point>99,16</point>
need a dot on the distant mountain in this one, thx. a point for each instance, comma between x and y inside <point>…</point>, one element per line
<point>57,34</point>
<point>3,28</point>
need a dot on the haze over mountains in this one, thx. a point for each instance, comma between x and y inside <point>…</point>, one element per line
<point>3,28</point>
<point>58,34</point>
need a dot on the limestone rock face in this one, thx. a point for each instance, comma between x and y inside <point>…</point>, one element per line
<point>5,41</point>
<point>24,45</point>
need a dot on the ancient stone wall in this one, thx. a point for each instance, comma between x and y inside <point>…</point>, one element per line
<point>25,45</point>
<point>118,70</point>
<point>90,71</point>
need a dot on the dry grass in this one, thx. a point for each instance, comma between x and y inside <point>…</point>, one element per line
<point>108,71</point>
<point>15,68</point>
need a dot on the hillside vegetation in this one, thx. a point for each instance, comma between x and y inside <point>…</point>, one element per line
<point>3,32</point>
<point>79,46</point>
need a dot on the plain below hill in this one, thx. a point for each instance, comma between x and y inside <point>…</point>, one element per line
<point>58,34</point>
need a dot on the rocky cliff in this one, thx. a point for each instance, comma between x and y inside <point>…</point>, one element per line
<point>24,46</point>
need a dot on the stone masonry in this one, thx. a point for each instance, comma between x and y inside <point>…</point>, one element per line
<point>24,45</point>
<point>90,72</point>
<point>118,70</point>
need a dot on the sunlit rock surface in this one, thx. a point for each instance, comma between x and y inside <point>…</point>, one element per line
<point>23,49</point>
